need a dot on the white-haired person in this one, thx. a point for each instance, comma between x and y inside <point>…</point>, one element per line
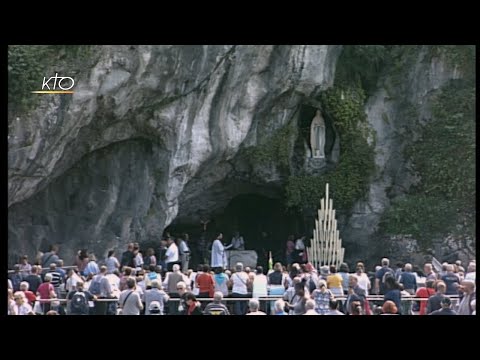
<point>216,307</point>
<point>310,307</point>
<point>21,306</point>
<point>279,307</point>
<point>467,287</point>
<point>254,306</point>
<point>155,294</point>
<point>240,282</point>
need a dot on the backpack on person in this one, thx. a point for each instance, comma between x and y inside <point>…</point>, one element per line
<point>79,304</point>
<point>95,287</point>
<point>386,275</point>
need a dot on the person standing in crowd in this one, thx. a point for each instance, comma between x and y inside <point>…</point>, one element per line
<point>446,308</point>
<point>25,267</point>
<point>34,280</point>
<point>149,259</point>
<point>20,306</point>
<point>237,242</point>
<point>162,250</point>
<point>392,292</point>
<point>137,257</point>
<point>46,291</point>
<point>221,281</point>
<point>471,271</point>
<point>16,277</point>
<point>425,293</point>
<point>254,307</point>
<point>239,282</point>
<point>127,257</point>
<point>429,274</point>
<point>193,306</point>
<point>333,308</point>
<point>468,289</point>
<point>381,275</point>
<point>279,307</point>
<point>30,296</point>
<point>205,283</point>
<point>81,260</point>
<point>289,252</point>
<point>130,301</point>
<point>301,254</point>
<point>408,280</point>
<point>334,282</point>
<point>344,273</point>
<point>57,279</point>
<point>184,253</point>
<point>92,267</point>
<point>155,294</point>
<point>50,257</point>
<point>434,302</point>
<point>78,300</point>
<point>218,252</point>
<point>216,307</point>
<point>100,287</point>
<point>112,262</point>
<point>310,308</point>
<point>362,278</point>
<point>172,279</point>
<point>171,256</point>
<point>451,280</point>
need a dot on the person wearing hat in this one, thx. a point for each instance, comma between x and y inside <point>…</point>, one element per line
<point>155,295</point>
<point>446,308</point>
<point>154,308</point>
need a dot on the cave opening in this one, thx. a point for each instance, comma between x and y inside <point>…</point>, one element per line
<point>264,223</point>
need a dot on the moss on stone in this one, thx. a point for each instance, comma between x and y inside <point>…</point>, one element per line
<point>276,149</point>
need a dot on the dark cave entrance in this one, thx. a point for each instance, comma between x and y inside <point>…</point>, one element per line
<point>251,215</point>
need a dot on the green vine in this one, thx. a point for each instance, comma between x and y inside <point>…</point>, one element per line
<point>26,68</point>
<point>276,149</point>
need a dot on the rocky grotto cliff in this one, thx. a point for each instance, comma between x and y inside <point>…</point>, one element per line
<point>154,134</point>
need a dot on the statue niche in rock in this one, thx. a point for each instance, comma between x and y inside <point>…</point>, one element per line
<point>317,136</point>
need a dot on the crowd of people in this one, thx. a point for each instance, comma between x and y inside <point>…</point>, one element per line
<point>136,284</point>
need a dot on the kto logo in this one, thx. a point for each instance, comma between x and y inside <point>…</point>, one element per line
<point>65,84</point>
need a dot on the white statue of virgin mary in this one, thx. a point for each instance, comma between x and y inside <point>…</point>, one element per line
<point>317,136</point>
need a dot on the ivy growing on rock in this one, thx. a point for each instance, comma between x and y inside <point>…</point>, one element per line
<point>26,67</point>
<point>349,180</point>
<point>443,157</point>
<point>275,149</point>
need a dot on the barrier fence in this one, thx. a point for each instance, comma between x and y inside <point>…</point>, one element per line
<point>262,298</point>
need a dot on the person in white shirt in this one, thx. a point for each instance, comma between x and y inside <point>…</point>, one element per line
<point>184,252</point>
<point>21,306</point>
<point>471,271</point>
<point>218,252</point>
<point>363,280</point>
<point>192,277</point>
<point>237,242</point>
<point>239,281</point>
<point>171,255</point>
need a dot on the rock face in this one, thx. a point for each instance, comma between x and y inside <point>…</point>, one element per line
<point>155,134</point>
<point>387,114</point>
<point>147,126</point>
